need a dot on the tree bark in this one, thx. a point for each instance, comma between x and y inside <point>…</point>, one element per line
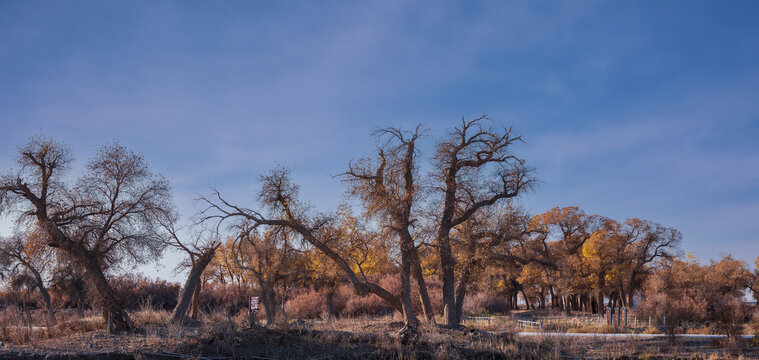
<point>406,263</point>
<point>449,282</point>
<point>195,313</point>
<point>49,306</point>
<point>554,302</point>
<point>117,318</point>
<point>191,290</point>
<point>424,296</point>
<point>329,298</point>
<point>600,294</point>
<point>44,292</point>
<point>268,299</point>
<point>80,306</point>
<point>526,300</point>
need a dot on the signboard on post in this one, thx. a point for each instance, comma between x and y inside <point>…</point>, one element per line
<point>254,303</point>
<point>253,310</point>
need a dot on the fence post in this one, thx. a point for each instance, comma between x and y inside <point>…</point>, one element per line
<point>608,316</point>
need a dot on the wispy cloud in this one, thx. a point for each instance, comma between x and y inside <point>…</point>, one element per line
<point>629,109</point>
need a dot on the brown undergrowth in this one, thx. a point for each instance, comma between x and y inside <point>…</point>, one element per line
<point>223,336</point>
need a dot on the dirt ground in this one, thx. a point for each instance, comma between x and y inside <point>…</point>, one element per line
<point>350,340</point>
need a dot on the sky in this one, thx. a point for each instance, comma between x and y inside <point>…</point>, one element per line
<point>641,109</point>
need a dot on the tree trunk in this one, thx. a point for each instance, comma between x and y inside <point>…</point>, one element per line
<point>554,302</point>
<point>542,299</point>
<point>118,320</point>
<point>49,306</point>
<point>45,295</point>
<point>449,282</point>
<point>329,297</point>
<point>461,290</point>
<point>515,301</point>
<point>408,311</point>
<point>191,287</point>
<point>268,298</point>
<point>600,295</point>
<point>429,313</point>
<point>284,299</point>
<point>80,306</point>
<point>195,313</point>
<point>526,300</point>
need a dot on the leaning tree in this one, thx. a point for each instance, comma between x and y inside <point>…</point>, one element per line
<point>200,248</point>
<point>103,220</point>
<point>279,198</point>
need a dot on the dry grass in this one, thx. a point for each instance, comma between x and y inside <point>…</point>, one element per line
<point>77,325</point>
<point>150,317</point>
<point>603,329</point>
<point>218,333</point>
<point>651,330</point>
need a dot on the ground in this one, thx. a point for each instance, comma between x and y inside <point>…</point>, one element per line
<point>218,336</point>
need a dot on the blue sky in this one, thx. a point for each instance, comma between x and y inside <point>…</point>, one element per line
<point>630,109</point>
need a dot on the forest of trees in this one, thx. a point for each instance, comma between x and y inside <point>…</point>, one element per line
<point>416,234</point>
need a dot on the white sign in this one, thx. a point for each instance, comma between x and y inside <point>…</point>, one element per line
<point>254,303</point>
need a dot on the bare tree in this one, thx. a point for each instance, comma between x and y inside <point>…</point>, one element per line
<point>106,219</point>
<point>388,189</point>
<point>30,256</point>
<point>200,252</point>
<point>475,169</point>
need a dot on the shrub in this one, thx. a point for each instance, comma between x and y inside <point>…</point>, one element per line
<point>135,290</point>
<point>688,292</point>
<point>306,304</point>
<point>367,305</point>
<point>78,325</point>
<point>651,330</point>
<point>485,303</point>
<point>589,329</point>
<point>231,298</point>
